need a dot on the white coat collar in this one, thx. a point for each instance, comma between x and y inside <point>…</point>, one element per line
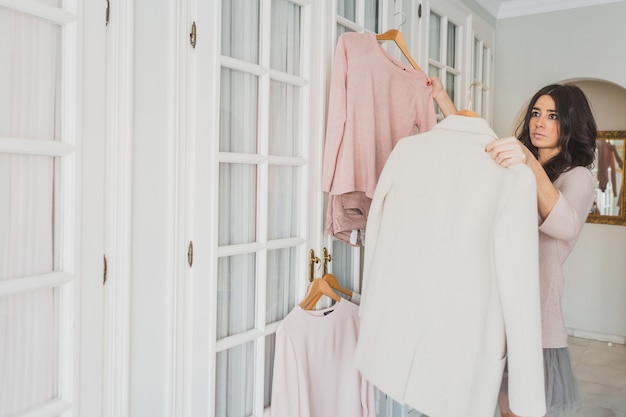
<point>466,124</point>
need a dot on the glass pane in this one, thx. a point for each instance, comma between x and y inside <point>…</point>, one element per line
<point>480,102</point>
<point>285,46</point>
<point>237,204</point>
<point>451,55</point>
<point>29,366</point>
<point>484,102</point>
<point>434,37</point>
<point>284,202</point>
<point>347,9</point>
<point>477,60</point>
<point>403,21</point>
<point>371,15</point>
<point>282,265</point>
<point>343,264</point>
<point>450,82</point>
<point>270,348</point>
<point>285,120</point>
<point>26,215</point>
<point>485,73</point>
<point>341,30</point>
<point>435,72</point>
<point>30,77</point>
<point>474,97</point>
<point>238,112</point>
<point>234,381</point>
<point>240,29</point>
<point>236,285</point>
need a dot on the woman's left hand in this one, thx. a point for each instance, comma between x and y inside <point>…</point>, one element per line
<point>507,151</point>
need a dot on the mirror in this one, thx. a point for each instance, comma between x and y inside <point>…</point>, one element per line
<point>609,206</point>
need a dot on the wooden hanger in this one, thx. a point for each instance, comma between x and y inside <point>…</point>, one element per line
<point>397,36</point>
<point>334,284</point>
<point>467,113</point>
<point>318,287</point>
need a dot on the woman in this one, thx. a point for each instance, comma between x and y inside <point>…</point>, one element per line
<point>557,140</point>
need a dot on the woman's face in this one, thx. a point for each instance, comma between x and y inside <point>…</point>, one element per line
<point>544,128</point>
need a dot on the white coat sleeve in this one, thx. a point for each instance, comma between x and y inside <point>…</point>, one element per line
<point>517,267</point>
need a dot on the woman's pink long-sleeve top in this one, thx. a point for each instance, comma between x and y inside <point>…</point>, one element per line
<point>375,100</point>
<point>557,235</point>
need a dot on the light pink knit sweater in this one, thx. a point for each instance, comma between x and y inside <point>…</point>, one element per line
<point>375,100</point>
<point>558,234</point>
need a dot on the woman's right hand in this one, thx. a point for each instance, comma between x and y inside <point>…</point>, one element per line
<point>508,151</point>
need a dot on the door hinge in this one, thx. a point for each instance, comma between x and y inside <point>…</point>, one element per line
<point>190,254</point>
<point>107,13</point>
<point>106,269</point>
<point>419,11</point>
<point>192,35</point>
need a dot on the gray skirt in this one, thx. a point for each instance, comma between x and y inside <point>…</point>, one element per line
<point>561,387</point>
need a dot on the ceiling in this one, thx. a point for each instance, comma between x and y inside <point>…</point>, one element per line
<point>511,8</point>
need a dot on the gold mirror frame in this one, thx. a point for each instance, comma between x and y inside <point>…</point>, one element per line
<point>620,198</point>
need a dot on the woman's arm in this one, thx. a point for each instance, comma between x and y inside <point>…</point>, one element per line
<point>547,194</point>
<point>441,97</point>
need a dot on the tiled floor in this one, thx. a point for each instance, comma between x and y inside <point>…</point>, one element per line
<point>601,373</point>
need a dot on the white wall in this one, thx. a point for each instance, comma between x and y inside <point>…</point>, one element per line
<point>584,44</point>
<point>594,299</point>
<point>536,50</point>
<point>480,11</point>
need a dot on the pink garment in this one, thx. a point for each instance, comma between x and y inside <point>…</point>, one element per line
<point>557,235</point>
<point>314,374</point>
<point>346,217</point>
<point>375,100</point>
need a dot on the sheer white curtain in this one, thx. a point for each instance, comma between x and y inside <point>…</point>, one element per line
<point>260,178</point>
<point>29,109</point>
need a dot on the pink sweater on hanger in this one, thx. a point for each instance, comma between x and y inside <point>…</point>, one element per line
<point>375,100</point>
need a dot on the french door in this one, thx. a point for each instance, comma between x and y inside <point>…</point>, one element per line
<point>253,209</point>
<point>48,261</point>
<point>258,122</point>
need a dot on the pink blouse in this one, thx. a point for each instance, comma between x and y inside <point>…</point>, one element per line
<point>314,374</point>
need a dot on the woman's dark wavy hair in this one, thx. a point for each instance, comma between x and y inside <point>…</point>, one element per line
<point>577,129</point>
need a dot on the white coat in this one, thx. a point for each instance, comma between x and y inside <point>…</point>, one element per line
<point>451,287</point>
